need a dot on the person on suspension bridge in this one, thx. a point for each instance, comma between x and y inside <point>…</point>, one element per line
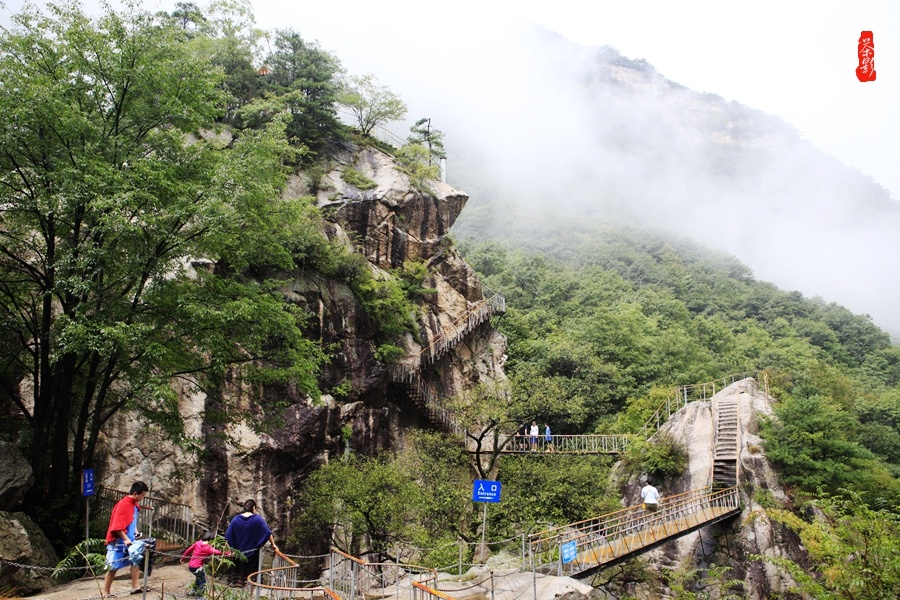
<point>650,497</point>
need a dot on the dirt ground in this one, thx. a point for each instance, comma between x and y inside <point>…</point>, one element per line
<point>167,582</point>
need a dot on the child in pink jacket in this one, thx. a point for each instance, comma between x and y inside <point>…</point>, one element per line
<point>199,551</point>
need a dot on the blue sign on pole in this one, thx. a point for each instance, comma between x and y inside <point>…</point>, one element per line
<point>569,551</point>
<point>87,482</point>
<point>485,490</point>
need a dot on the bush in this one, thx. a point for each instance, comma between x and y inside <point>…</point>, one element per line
<point>662,457</point>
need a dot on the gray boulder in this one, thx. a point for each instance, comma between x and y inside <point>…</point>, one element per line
<point>26,553</point>
<point>15,476</point>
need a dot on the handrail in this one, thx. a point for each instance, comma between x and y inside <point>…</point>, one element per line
<point>173,519</point>
<point>562,444</point>
<point>683,395</point>
<point>449,335</point>
<point>423,592</point>
<point>352,577</point>
<point>282,582</point>
<point>615,535</point>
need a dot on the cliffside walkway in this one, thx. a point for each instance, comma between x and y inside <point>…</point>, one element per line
<point>558,444</point>
<point>409,373</point>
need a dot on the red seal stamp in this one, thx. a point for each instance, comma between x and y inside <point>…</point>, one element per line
<point>866,51</point>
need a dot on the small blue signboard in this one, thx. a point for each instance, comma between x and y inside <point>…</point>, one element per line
<point>569,551</point>
<point>87,482</point>
<point>485,490</point>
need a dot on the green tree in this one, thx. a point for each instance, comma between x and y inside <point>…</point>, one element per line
<point>371,103</point>
<point>813,441</point>
<point>105,197</point>
<point>855,549</point>
<point>304,77</point>
<point>425,135</point>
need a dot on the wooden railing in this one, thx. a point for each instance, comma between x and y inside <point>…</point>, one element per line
<point>423,592</point>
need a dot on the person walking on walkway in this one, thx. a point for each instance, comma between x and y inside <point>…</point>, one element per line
<point>198,552</point>
<point>534,435</point>
<point>548,438</point>
<point>120,534</point>
<point>247,533</point>
<point>650,497</point>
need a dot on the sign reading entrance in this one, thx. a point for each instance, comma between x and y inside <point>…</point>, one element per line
<point>485,490</point>
<point>87,482</point>
<point>569,551</point>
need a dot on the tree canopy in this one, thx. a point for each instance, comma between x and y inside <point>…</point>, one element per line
<point>108,192</point>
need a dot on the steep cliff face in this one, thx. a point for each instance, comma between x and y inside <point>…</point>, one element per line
<point>389,223</point>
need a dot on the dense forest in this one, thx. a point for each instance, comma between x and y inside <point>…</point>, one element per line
<point>134,140</point>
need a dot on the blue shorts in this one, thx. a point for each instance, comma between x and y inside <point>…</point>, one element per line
<point>117,555</point>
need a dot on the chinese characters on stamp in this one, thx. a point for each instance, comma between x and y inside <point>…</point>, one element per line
<point>866,50</point>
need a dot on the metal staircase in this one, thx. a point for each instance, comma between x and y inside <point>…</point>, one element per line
<point>409,374</point>
<point>725,450</point>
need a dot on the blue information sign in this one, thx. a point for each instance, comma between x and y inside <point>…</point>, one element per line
<point>569,551</point>
<point>87,482</point>
<point>485,490</point>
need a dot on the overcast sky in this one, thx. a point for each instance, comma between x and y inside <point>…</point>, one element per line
<point>794,59</point>
<point>463,63</point>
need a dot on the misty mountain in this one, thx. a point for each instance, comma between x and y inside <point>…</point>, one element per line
<point>586,134</point>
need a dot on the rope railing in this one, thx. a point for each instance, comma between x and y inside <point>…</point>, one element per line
<point>611,537</point>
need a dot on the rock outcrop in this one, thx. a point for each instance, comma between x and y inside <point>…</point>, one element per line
<point>390,222</point>
<point>23,543</point>
<point>734,543</point>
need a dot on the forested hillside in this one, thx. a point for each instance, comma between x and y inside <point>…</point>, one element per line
<point>601,317</point>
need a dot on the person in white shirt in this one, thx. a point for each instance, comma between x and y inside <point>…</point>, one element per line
<point>534,435</point>
<point>650,497</point>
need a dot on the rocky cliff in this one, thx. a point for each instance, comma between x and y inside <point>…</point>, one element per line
<point>735,543</point>
<point>388,223</point>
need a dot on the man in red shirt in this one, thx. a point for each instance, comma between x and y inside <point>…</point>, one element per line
<point>120,535</point>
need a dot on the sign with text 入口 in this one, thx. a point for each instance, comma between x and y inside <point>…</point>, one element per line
<point>485,490</point>
<point>87,482</point>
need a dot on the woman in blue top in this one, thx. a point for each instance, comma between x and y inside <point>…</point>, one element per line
<point>247,533</point>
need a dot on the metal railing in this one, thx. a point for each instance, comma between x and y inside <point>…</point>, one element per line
<point>559,444</point>
<point>157,518</point>
<point>423,592</point>
<point>353,578</point>
<point>449,336</point>
<point>285,582</point>
<point>684,395</point>
<point>610,538</point>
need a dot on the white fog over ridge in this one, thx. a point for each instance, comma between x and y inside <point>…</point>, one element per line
<point>527,121</point>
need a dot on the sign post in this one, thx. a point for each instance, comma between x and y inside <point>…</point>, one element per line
<point>487,491</point>
<point>567,553</point>
<point>87,490</point>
